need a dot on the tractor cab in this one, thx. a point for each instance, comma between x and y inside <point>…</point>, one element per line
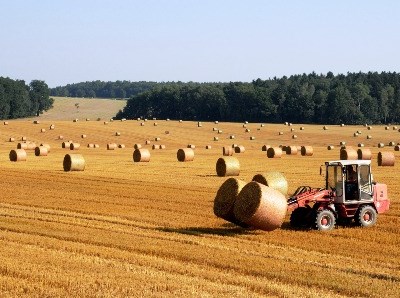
<point>351,180</point>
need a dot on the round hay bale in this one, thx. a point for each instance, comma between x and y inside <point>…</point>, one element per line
<point>155,124</point>
<point>87,119</point>
<point>397,148</point>
<point>331,147</point>
<point>17,155</point>
<point>360,145</point>
<point>96,146</point>
<point>5,123</point>
<point>199,124</point>
<point>41,151</point>
<point>302,128</point>
<point>394,127</point>
<point>147,142</point>
<point>65,144</point>
<point>391,144</point>
<point>141,155</point>
<point>43,130</point>
<point>348,154</point>
<point>244,125</point>
<point>219,131</point>
<point>260,206</point>
<point>386,159</point>
<point>307,150</point>
<point>234,145</point>
<point>154,118</point>
<point>36,122</point>
<point>46,145</point>
<point>247,130</point>
<point>216,122</point>
<point>185,154</point>
<point>246,122</point>
<point>369,137</point>
<point>167,132</point>
<point>280,133</point>
<point>208,146</point>
<point>75,120</point>
<point>157,139</point>
<point>74,162</point>
<point>231,137</point>
<point>225,200</point>
<point>342,143</point>
<point>294,137</point>
<point>227,151</point>
<point>292,129</point>
<point>111,119</point>
<point>90,145</point>
<point>240,149</point>
<point>141,123</point>
<point>121,146</point>
<point>74,146</point>
<point>105,122</point>
<point>162,147</point>
<point>155,147</point>
<point>342,125</point>
<point>215,129</point>
<point>252,138</point>
<point>111,146</point>
<point>167,119</point>
<point>262,125</point>
<point>216,138</point>
<point>145,120</point>
<point>386,127</point>
<point>83,136</point>
<point>359,132</point>
<point>11,139</point>
<point>273,179</point>
<point>137,146</point>
<point>369,127</point>
<point>381,145</point>
<point>24,139</point>
<point>60,137</point>
<point>52,127</point>
<point>290,124</point>
<point>286,123</point>
<point>325,127</point>
<point>265,147</point>
<point>274,152</point>
<point>355,134</point>
<point>117,133</point>
<point>291,150</point>
<point>364,154</point>
<point>227,166</point>
<point>191,146</point>
<point>180,121</point>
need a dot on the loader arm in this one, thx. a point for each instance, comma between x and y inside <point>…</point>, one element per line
<point>305,195</point>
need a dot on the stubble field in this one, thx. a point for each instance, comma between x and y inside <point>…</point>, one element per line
<point>148,229</point>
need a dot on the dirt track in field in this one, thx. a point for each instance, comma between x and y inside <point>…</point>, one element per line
<point>147,229</point>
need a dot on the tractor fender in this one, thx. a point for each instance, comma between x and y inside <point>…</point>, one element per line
<point>325,206</point>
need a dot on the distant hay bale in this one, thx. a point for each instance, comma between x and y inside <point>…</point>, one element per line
<point>138,119</point>
<point>386,127</point>
<point>397,148</point>
<point>83,136</point>
<point>369,137</point>
<point>74,162</point>
<point>359,132</point>
<point>325,127</point>
<point>260,206</point>
<point>141,155</point>
<point>111,146</point>
<point>117,133</point>
<point>17,155</point>
<point>391,144</point>
<point>331,147</point>
<point>147,142</point>
<point>247,130</point>
<point>5,122</point>
<point>52,127</point>
<point>355,134</point>
<point>155,124</point>
<point>234,145</point>
<point>302,128</point>
<point>342,143</point>
<point>167,119</point>
<point>274,152</point>
<point>121,146</point>
<point>157,139</point>
<point>74,146</point>
<point>87,119</point>
<point>216,139</point>
<point>137,146</point>
<point>180,121</point>
<point>24,139</point>
<point>225,200</point>
<point>96,146</point>
<point>43,130</point>
<point>381,145</point>
<point>46,145</point>
<point>273,179</point>
<point>280,133</point>
<point>252,138</point>
<point>90,145</point>
<point>153,118</point>
<point>286,123</point>
<point>227,151</point>
<point>262,125</point>
<point>60,137</point>
<point>41,151</point>
<point>348,154</point>
<point>369,127</point>
<point>219,131</point>
<point>155,147</point>
<point>145,120</point>
<point>215,129</point>
<point>265,147</point>
<point>105,122</point>
<point>394,127</point>
<point>36,122</point>
<point>65,144</point>
<point>342,125</point>
<point>292,129</point>
<point>307,150</point>
<point>75,120</point>
<point>291,150</point>
<point>294,137</point>
<point>216,122</point>
<point>240,149</point>
<point>185,154</point>
<point>199,124</point>
<point>111,120</point>
<point>227,166</point>
<point>142,124</point>
<point>386,159</point>
<point>162,147</point>
<point>364,154</point>
<point>231,137</point>
<point>360,145</point>
<point>167,132</point>
<point>11,139</point>
<point>208,147</point>
<point>191,146</point>
<point>124,119</point>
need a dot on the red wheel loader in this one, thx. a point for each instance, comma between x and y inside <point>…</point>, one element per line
<point>350,194</point>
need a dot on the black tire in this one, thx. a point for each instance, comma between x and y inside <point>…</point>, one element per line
<point>366,216</point>
<point>299,217</point>
<point>325,220</point>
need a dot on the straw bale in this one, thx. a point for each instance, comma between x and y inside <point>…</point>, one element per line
<point>291,150</point>
<point>122,146</point>
<point>65,144</point>
<point>137,146</point>
<point>83,136</point>
<point>215,129</point>
<point>294,137</point>
<point>155,147</point>
<point>348,154</point>
<point>191,146</point>
<point>325,127</point>
<point>24,139</point>
<point>386,159</point>
<point>280,133</point>
<point>231,137</point>
<point>364,154</point>
<point>105,122</point>
<point>141,155</point>
<point>391,144</point>
<point>41,151</point>
<point>42,130</point>
<point>208,146</point>
<point>227,166</point>
<point>46,145</point>
<point>111,146</point>
<point>381,145</point>
<point>273,179</point>
<point>219,131</point>
<point>75,120</point>
<point>216,122</point>
<point>260,206</point>
<point>5,122</point>
<point>331,147</point>
<point>274,152</point>
<point>386,127</point>
<point>96,146</point>
<point>90,145</point>
<point>369,127</point>
<point>360,145</point>
<point>216,138</point>
<point>185,154</point>
<point>147,142</point>
<point>307,150</point>
<point>225,200</point>
<point>302,128</point>
<point>239,149</point>
<point>265,147</point>
<point>252,138</point>
<point>60,137</point>
<point>162,146</point>
<point>247,130</point>
<point>36,122</point>
<point>17,155</point>
<point>11,139</point>
<point>369,137</point>
<point>157,139</point>
<point>117,133</point>
<point>227,151</point>
<point>74,162</point>
<point>155,124</point>
<point>142,124</point>
<point>74,146</point>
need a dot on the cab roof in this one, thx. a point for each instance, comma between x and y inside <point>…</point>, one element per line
<point>349,162</point>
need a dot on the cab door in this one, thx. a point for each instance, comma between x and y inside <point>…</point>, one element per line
<point>365,185</point>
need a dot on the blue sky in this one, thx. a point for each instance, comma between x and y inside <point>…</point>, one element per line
<point>195,40</point>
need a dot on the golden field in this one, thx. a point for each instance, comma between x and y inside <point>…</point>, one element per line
<point>148,229</point>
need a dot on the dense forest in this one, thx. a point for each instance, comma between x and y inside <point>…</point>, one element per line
<point>19,100</point>
<point>100,89</point>
<point>354,98</point>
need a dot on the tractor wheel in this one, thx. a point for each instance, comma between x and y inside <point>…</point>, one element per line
<point>325,220</point>
<point>298,218</point>
<point>366,216</point>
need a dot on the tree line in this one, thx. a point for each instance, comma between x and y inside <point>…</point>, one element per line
<point>354,98</point>
<point>19,100</point>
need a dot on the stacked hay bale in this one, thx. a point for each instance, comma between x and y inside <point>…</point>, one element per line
<point>275,180</point>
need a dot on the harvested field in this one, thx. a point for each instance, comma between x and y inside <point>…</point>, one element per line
<point>121,228</point>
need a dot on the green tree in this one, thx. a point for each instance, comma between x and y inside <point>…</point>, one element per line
<point>39,95</point>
